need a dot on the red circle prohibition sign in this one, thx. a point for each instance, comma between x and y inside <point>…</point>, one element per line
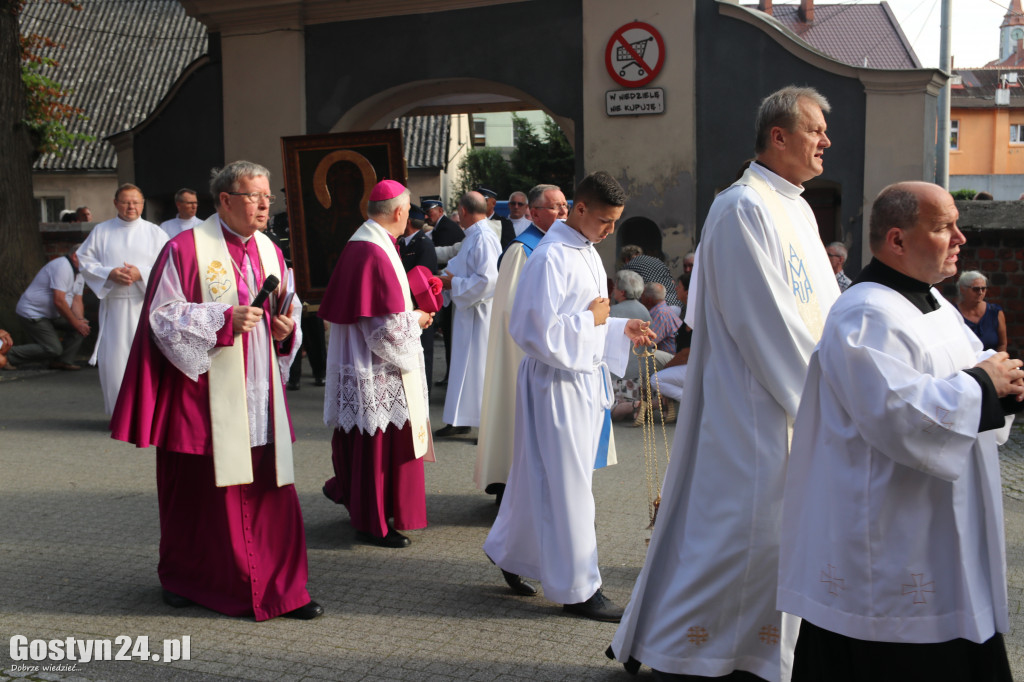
<point>635,54</point>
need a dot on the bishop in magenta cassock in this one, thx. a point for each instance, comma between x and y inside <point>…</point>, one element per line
<point>376,395</point>
<point>204,384</point>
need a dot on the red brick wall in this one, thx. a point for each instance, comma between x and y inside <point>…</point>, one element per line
<point>58,238</point>
<point>998,253</point>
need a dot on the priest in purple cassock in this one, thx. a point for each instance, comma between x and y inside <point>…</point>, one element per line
<point>376,396</point>
<point>204,383</point>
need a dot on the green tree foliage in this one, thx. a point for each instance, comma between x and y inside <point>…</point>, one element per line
<point>536,159</point>
<point>46,111</point>
<point>483,166</point>
<point>560,164</point>
<point>964,194</point>
<point>21,143</point>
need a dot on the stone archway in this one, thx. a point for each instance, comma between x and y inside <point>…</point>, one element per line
<point>444,96</point>
<point>641,231</point>
<point>447,97</point>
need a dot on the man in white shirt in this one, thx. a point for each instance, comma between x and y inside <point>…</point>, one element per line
<point>116,259</point>
<point>188,203</point>
<point>469,282</point>
<point>704,603</point>
<point>893,550</point>
<point>53,299</point>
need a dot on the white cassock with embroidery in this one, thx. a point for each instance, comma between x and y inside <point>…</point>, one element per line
<point>893,517</point>
<point>704,603</point>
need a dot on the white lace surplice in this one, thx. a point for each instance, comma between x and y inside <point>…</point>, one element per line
<point>364,365</point>
<point>186,333</point>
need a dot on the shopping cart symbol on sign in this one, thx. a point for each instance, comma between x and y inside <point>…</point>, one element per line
<point>622,55</point>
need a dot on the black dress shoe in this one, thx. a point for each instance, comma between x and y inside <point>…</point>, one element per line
<point>518,585</point>
<point>308,612</point>
<point>176,600</point>
<point>632,666</point>
<point>448,430</point>
<point>598,607</point>
<point>496,489</point>
<point>293,387</point>
<point>319,382</point>
<point>393,540</point>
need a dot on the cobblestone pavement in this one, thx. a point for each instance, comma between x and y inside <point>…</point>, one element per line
<point>78,554</point>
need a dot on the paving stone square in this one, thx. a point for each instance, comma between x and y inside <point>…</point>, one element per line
<point>79,540</point>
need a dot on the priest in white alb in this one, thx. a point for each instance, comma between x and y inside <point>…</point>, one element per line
<point>497,418</point>
<point>470,279</point>
<point>545,525</point>
<point>893,549</point>
<point>115,260</point>
<point>187,203</point>
<point>376,394</point>
<point>704,603</point>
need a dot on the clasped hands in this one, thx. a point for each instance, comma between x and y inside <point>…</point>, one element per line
<point>128,274</point>
<point>1006,374</point>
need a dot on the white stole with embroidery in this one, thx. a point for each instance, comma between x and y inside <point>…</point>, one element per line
<point>799,278</point>
<point>412,380</point>
<point>229,416</point>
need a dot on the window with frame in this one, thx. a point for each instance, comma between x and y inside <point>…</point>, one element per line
<point>1017,133</point>
<point>48,209</point>
<point>479,132</point>
<point>954,134</point>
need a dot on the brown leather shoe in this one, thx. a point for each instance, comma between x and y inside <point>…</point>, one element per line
<point>57,364</point>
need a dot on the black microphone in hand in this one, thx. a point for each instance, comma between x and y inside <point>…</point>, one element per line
<point>269,286</point>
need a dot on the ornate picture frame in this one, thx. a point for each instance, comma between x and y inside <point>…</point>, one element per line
<point>328,179</point>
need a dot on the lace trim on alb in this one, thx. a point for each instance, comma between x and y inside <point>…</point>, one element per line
<point>186,332</point>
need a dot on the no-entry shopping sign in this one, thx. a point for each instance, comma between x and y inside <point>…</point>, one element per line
<point>635,54</point>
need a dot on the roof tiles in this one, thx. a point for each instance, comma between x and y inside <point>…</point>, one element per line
<point>864,35</point>
<point>120,57</point>
<point>425,139</point>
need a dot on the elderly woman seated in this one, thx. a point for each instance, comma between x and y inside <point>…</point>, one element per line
<point>985,319</point>
<point>628,289</point>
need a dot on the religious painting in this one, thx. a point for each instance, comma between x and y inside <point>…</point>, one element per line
<point>328,179</point>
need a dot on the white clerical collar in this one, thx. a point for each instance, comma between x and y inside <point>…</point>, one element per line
<point>565,233</point>
<point>373,223</point>
<point>243,238</point>
<point>778,183</point>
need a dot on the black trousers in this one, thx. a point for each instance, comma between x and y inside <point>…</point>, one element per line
<point>444,320</point>
<point>314,341</point>
<point>824,655</point>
